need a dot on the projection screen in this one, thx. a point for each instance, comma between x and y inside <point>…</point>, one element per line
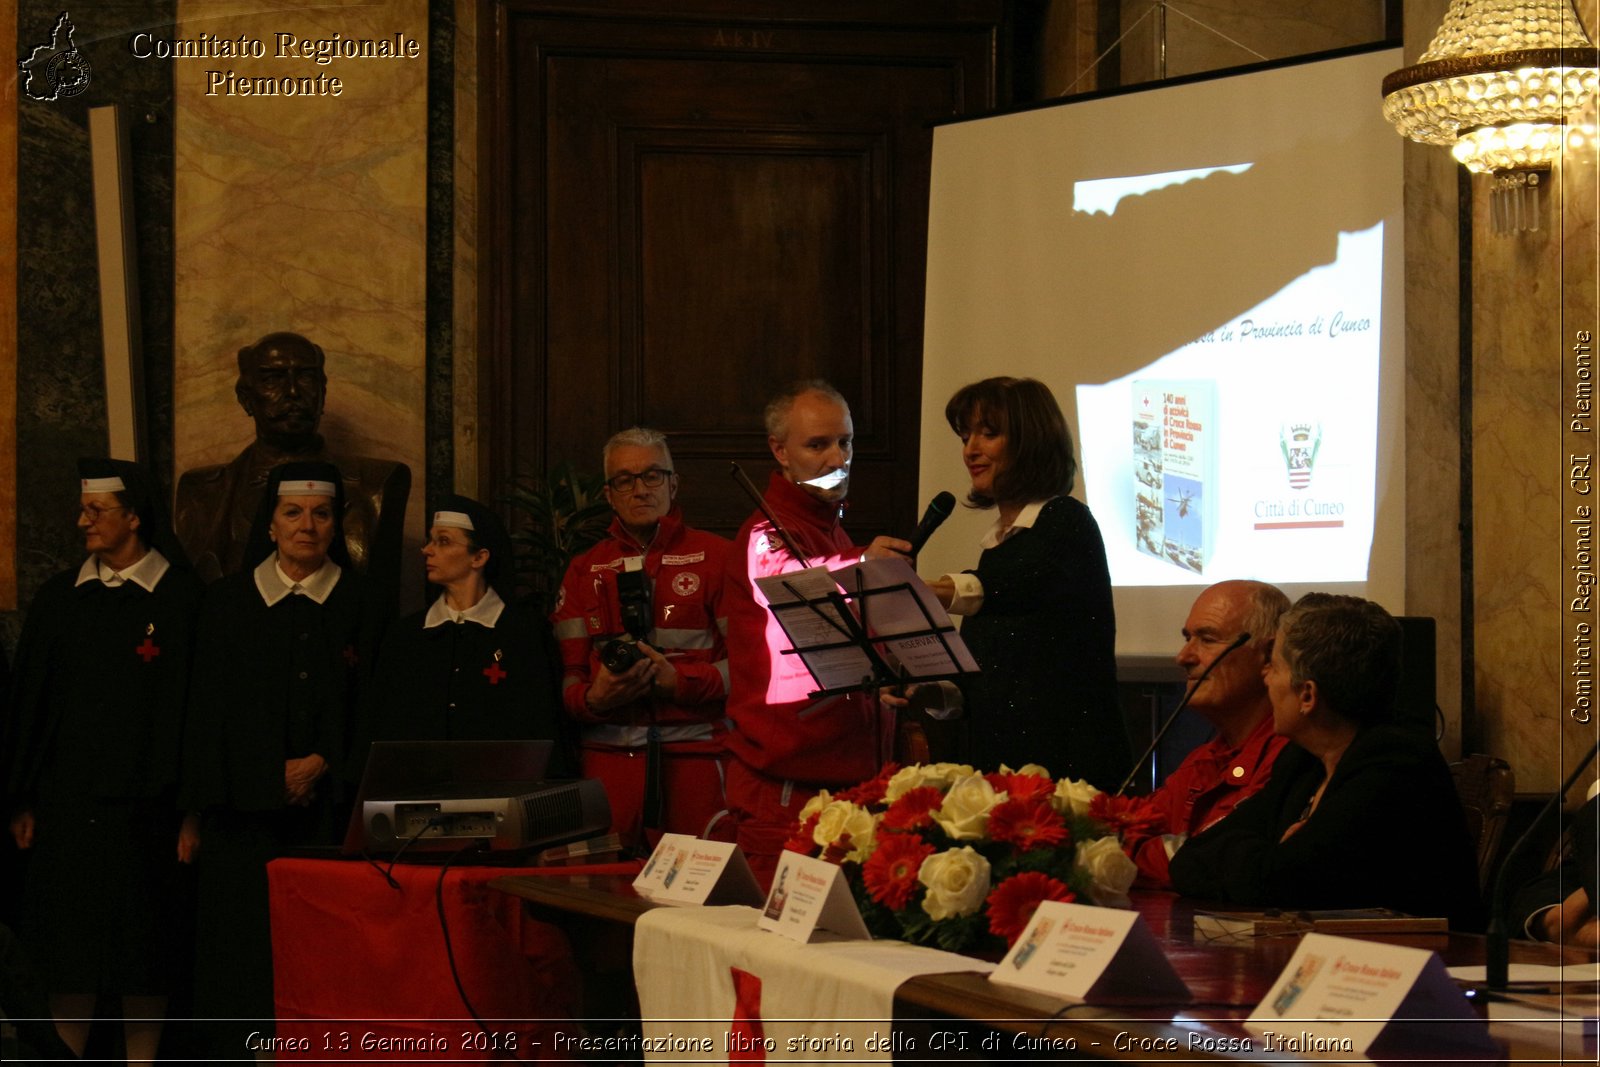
<point>1209,277</point>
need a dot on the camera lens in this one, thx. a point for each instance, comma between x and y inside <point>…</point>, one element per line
<point>618,655</point>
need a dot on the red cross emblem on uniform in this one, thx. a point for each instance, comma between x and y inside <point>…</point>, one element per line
<point>149,650</point>
<point>494,672</point>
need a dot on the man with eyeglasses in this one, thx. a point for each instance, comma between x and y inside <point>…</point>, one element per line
<point>644,660</point>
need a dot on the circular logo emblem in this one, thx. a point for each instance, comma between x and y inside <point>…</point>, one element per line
<point>68,73</point>
<point>686,583</point>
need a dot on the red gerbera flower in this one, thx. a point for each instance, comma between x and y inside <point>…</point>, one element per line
<point>802,841</point>
<point>1013,902</point>
<point>1026,823</point>
<point>911,810</point>
<point>871,791</point>
<point>1027,787</point>
<point>890,873</point>
<point>1122,814</point>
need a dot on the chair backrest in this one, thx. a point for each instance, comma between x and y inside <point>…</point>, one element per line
<point>1485,786</point>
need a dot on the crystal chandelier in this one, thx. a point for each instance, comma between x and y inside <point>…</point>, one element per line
<point>1506,84</point>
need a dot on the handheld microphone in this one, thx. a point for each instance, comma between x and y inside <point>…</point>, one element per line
<point>939,509</point>
<point>1224,654</point>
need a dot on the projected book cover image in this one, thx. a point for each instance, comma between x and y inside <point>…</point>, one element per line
<point>1174,469</point>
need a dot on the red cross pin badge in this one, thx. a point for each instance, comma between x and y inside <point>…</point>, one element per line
<point>149,650</point>
<point>494,672</point>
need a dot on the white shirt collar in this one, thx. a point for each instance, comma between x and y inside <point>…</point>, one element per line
<point>485,612</point>
<point>274,585</point>
<point>146,573</point>
<point>1024,521</point>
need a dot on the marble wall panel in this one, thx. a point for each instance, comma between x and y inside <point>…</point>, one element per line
<point>464,349</point>
<point>305,213</point>
<point>60,380</point>
<point>1433,395</point>
<point>1531,293</point>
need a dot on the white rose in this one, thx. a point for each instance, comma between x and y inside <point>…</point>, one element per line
<point>1073,796</point>
<point>1110,871</point>
<point>814,805</point>
<point>1033,769</point>
<point>957,881</point>
<point>902,782</point>
<point>945,775</point>
<point>840,817</point>
<point>938,775</point>
<point>964,815</point>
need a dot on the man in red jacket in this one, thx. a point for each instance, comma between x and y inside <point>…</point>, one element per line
<point>785,745</point>
<point>651,592</point>
<point>1237,762</point>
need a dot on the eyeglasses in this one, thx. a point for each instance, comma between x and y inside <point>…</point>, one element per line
<point>652,479</point>
<point>93,512</point>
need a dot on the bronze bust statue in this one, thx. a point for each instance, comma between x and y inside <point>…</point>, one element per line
<point>282,386</point>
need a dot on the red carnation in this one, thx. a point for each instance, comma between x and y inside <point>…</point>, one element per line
<point>891,871</point>
<point>1013,902</point>
<point>1122,814</point>
<point>802,841</point>
<point>911,810</point>
<point>871,791</point>
<point>1026,823</point>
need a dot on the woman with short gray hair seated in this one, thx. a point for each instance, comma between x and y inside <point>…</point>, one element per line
<point>1360,812</point>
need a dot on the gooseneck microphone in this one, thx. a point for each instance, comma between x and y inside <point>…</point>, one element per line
<point>939,509</point>
<point>1224,654</point>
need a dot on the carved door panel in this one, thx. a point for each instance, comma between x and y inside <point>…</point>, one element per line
<point>698,210</point>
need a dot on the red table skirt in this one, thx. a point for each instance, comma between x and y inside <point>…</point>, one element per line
<point>360,969</point>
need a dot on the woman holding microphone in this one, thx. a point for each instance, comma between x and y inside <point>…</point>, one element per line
<point>1037,607</point>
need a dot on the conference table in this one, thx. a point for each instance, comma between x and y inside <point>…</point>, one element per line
<point>963,1015</point>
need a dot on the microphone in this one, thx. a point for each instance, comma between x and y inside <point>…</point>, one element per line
<point>1224,654</point>
<point>939,509</point>
<point>1497,956</point>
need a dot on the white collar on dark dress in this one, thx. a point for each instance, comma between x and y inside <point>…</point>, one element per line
<point>146,573</point>
<point>485,612</point>
<point>274,585</point>
<point>1024,521</point>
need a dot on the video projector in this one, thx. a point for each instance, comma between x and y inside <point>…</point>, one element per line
<point>506,815</point>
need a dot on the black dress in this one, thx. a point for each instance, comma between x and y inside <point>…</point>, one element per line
<point>1388,832</point>
<point>98,703</point>
<point>462,681</point>
<point>271,683</point>
<point>1045,639</point>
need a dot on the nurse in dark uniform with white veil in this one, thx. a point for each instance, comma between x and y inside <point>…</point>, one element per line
<point>276,669</point>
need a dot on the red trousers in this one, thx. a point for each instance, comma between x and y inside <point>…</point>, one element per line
<point>692,773</point>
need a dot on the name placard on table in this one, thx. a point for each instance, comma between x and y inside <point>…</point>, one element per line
<point>1081,952</point>
<point>1350,995</point>
<point>687,870</point>
<point>810,895</point>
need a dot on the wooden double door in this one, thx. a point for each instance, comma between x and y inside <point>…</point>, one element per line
<point>691,207</point>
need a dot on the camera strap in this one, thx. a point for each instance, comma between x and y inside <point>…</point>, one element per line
<point>654,802</point>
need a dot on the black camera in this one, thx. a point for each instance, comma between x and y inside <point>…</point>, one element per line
<point>618,654</point>
<point>634,612</point>
<point>633,598</point>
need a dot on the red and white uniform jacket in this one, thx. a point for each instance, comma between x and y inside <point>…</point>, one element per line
<point>1210,782</point>
<point>778,729</point>
<point>685,569</point>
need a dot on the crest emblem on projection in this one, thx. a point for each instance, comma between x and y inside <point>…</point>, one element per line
<point>55,70</point>
<point>1300,441</point>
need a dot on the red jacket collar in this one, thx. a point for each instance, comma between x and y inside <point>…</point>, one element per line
<point>667,532</point>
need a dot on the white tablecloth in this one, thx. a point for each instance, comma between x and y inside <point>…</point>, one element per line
<point>830,1000</point>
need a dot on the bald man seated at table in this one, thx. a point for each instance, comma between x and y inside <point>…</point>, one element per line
<point>1237,762</point>
<point>1361,811</point>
